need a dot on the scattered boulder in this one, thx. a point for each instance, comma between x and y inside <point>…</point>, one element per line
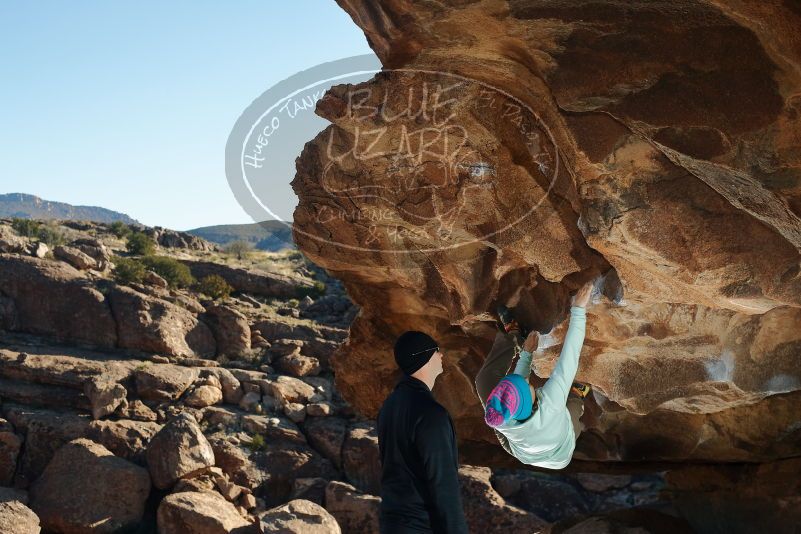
<point>202,512</point>
<point>327,435</point>
<point>298,365</point>
<point>38,249</point>
<point>485,509</point>
<point>10,445</point>
<point>295,411</point>
<point>136,410</point>
<point>319,409</point>
<point>45,432</point>
<point>16,518</point>
<point>231,387</point>
<point>96,249</point>
<point>288,389</point>
<point>85,488</point>
<point>230,328</point>
<point>105,395</point>
<point>10,242</point>
<point>299,517</point>
<point>177,450</point>
<point>75,257</point>
<point>310,489</point>
<point>355,512</point>
<point>125,438</point>
<point>203,396</point>
<point>252,281</point>
<point>155,280</point>
<point>163,381</point>
<point>153,325</point>
<point>360,458</point>
<point>236,463</point>
<point>30,282</point>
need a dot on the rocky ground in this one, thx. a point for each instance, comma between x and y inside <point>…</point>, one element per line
<point>144,408</point>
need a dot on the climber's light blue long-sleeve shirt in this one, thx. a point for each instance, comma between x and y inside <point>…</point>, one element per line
<point>547,438</point>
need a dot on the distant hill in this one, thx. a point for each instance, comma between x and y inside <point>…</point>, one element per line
<point>32,207</point>
<point>266,235</point>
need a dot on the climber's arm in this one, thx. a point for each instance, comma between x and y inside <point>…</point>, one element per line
<point>558,385</point>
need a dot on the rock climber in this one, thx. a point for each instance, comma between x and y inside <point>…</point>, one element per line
<point>538,426</point>
<point>417,447</point>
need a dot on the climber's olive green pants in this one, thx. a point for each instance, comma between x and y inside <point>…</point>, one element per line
<point>497,365</point>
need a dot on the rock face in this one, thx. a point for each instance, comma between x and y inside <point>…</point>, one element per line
<point>177,450</point>
<point>154,325</point>
<point>46,295</point>
<point>558,143</point>
<point>85,488</point>
<point>250,280</point>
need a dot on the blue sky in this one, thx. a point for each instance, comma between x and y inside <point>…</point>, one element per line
<point>128,105</point>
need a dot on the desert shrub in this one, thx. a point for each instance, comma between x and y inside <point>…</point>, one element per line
<point>51,235</point>
<point>120,229</point>
<point>240,249</point>
<point>214,286</point>
<point>173,271</point>
<point>295,255</point>
<point>128,270</point>
<point>316,290</point>
<point>26,227</point>
<point>141,244</point>
<point>257,443</point>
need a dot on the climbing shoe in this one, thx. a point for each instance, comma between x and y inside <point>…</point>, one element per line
<point>580,390</point>
<point>509,324</point>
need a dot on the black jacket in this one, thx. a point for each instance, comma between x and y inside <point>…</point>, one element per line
<point>419,463</point>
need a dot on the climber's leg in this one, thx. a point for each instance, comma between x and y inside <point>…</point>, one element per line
<point>496,365</point>
<point>575,406</point>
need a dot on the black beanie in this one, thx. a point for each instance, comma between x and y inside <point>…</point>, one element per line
<point>413,349</point>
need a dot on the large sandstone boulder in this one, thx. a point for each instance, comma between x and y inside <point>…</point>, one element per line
<point>10,445</point>
<point>177,450</point>
<point>150,324</point>
<point>485,509</point>
<point>125,438</point>
<point>163,381</point>
<point>46,295</point>
<point>355,512</point>
<point>85,488</point>
<point>572,144</point>
<point>230,328</point>
<point>327,435</point>
<point>45,432</point>
<point>75,257</point>
<point>11,242</point>
<point>200,513</point>
<point>16,518</point>
<point>360,458</point>
<point>299,517</point>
